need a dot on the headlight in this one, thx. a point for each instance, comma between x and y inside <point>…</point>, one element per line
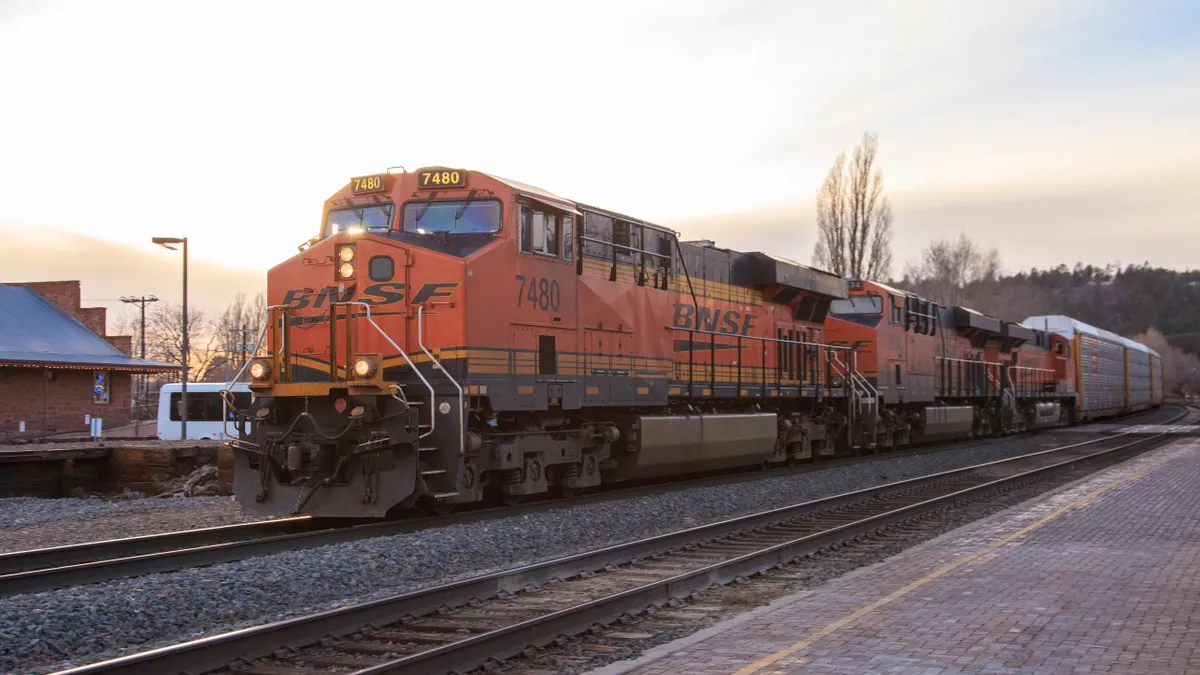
<point>346,270</point>
<point>259,370</point>
<point>364,367</point>
<point>346,253</point>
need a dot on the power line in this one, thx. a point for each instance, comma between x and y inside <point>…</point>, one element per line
<point>142,301</point>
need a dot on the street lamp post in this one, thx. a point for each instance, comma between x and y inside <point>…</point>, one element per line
<point>166,242</point>
<point>143,301</point>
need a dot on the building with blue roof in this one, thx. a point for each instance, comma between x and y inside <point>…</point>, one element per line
<point>58,365</point>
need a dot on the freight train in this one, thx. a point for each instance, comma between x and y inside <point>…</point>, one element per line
<point>451,337</point>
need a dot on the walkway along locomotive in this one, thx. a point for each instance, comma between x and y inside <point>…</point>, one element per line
<point>451,336</point>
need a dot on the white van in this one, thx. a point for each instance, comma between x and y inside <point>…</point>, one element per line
<point>208,412</point>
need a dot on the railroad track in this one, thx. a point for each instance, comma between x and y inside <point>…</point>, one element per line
<point>75,564</point>
<point>463,625</point>
<point>79,564</point>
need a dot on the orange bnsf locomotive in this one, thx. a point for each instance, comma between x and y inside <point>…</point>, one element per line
<point>927,372</point>
<point>452,337</point>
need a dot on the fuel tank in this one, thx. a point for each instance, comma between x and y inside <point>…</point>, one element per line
<point>947,422</point>
<point>672,444</point>
<point>1045,414</point>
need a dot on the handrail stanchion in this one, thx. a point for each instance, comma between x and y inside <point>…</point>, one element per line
<point>691,363</point>
<point>712,364</point>
<point>333,343</point>
<point>764,369</point>
<point>739,365</point>
<point>462,432</point>
<point>432,396</point>
<point>226,396</point>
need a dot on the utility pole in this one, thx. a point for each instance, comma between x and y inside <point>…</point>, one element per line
<point>240,347</point>
<point>143,301</point>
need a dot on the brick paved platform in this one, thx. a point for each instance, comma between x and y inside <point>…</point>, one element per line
<point>1101,576</point>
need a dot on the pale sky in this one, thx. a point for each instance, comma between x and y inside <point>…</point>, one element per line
<point>1055,131</point>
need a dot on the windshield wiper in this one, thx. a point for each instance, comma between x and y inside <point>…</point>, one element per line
<point>463,209</point>
<point>425,206</point>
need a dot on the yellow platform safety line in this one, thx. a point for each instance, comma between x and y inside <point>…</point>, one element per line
<point>990,550</point>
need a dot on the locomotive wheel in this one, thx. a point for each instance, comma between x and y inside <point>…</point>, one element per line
<point>511,500</point>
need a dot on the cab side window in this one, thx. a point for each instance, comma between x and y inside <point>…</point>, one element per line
<point>541,231</point>
<point>897,311</point>
<point>568,236</point>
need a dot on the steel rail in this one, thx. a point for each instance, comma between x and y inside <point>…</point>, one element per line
<point>45,569</point>
<point>217,651</point>
<point>512,640</point>
<point>77,564</point>
<point>71,554</point>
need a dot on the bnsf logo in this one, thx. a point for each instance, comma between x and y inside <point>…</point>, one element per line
<point>707,318</point>
<point>378,294</point>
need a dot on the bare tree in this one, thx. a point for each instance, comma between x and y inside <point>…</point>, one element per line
<point>238,328</point>
<point>854,217</point>
<point>164,338</point>
<point>947,267</point>
<point>128,322</point>
<point>1181,370</point>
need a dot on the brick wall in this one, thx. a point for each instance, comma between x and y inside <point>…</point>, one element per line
<point>122,342</point>
<point>60,403</point>
<point>66,295</point>
<point>95,318</point>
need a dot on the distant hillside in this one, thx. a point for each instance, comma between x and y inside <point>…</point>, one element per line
<point>1159,307</point>
<point>1127,301</point>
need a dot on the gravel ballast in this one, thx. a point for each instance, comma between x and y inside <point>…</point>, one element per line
<point>28,523</point>
<point>49,631</point>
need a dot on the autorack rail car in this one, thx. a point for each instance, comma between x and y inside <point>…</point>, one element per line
<point>450,337</point>
<point>1113,374</point>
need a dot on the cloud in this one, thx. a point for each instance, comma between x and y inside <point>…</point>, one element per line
<point>1147,218</point>
<point>109,270</point>
<point>230,123</point>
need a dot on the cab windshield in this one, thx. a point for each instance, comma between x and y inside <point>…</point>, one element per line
<point>452,217</point>
<point>857,304</point>
<point>376,218</point>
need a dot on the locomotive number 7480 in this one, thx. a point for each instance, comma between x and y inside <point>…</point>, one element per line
<point>541,293</point>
